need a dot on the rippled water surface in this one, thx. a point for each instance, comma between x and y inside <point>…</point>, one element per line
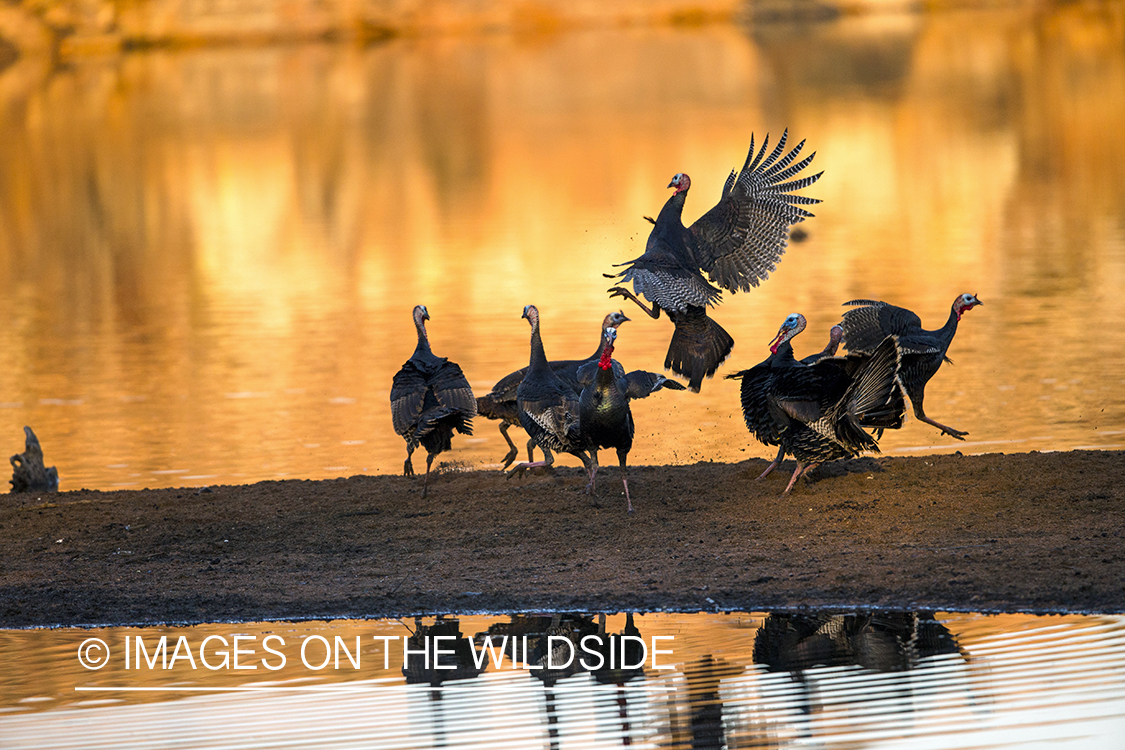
<point>209,257</point>
<point>741,680</point>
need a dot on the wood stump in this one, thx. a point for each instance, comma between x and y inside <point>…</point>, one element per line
<point>29,474</point>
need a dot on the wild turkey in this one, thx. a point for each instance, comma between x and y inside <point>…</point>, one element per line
<point>737,243</point>
<point>430,398</point>
<point>548,407</point>
<point>606,419</point>
<point>755,382</point>
<point>500,403</point>
<point>816,412</point>
<point>784,354</point>
<point>922,351</point>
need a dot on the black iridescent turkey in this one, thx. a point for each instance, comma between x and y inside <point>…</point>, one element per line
<point>606,419</point>
<point>817,412</point>
<point>430,398</point>
<point>548,407</point>
<point>922,351</point>
<point>737,244</point>
<point>500,402</point>
<point>785,356</point>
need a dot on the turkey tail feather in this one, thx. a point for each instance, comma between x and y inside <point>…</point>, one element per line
<point>698,346</point>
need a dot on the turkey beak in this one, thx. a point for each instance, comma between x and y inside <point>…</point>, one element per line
<point>625,318</point>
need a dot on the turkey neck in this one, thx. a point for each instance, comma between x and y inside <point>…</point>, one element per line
<point>944,335</point>
<point>538,357</point>
<point>423,348</point>
<point>671,214</point>
<point>784,355</point>
<point>601,345</point>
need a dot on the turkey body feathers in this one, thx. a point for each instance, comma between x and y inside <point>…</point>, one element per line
<point>923,352</point>
<point>423,397</point>
<point>430,399</point>
<point>737,244</point>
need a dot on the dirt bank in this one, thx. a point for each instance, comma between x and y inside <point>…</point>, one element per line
<point>1029,532</point>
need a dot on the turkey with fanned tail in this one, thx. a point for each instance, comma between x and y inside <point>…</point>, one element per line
<point>737,244</point>
<point>817,412</point>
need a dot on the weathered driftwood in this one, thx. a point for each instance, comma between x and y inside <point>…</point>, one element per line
<point>29,474</point>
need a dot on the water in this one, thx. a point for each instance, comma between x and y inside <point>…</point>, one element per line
<point>210,256</point>
<point>209,259</point>
<point>887,679</point>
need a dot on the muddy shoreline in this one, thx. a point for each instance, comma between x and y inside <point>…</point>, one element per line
<point>1037,533</point>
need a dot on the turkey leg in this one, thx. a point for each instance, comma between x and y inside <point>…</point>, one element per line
<point>512,450</point>
<point>945,429</point>
<point>773,464</point>
<point>625,479</point>
<point>653,312</point>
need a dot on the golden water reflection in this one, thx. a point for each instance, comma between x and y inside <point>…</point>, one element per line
<point>703,680</point>
<point>210,256</point>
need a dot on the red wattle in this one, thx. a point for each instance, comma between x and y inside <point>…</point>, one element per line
<point>607,358</point>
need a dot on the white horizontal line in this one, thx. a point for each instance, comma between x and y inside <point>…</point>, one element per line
<point>318,688</point>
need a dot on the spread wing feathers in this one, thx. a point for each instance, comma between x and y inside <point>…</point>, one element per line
<point>740,241</point>
<point>807,395</point>
<point>420,399</point>
<point>641,384</point>
<point>889,416</point>
<point>873,391</point>
<point>871,321</point>
<point>553,423</point>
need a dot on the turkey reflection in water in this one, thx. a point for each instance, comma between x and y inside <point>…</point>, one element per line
<point>559,680</point>
<point>212,254</point>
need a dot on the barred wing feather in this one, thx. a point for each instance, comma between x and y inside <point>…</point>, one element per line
<point>741,240</point>
<point>871,321</point>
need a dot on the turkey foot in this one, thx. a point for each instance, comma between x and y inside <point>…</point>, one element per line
<point>653,312</point>
<point>521,468</point>
<point>945,430</point>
